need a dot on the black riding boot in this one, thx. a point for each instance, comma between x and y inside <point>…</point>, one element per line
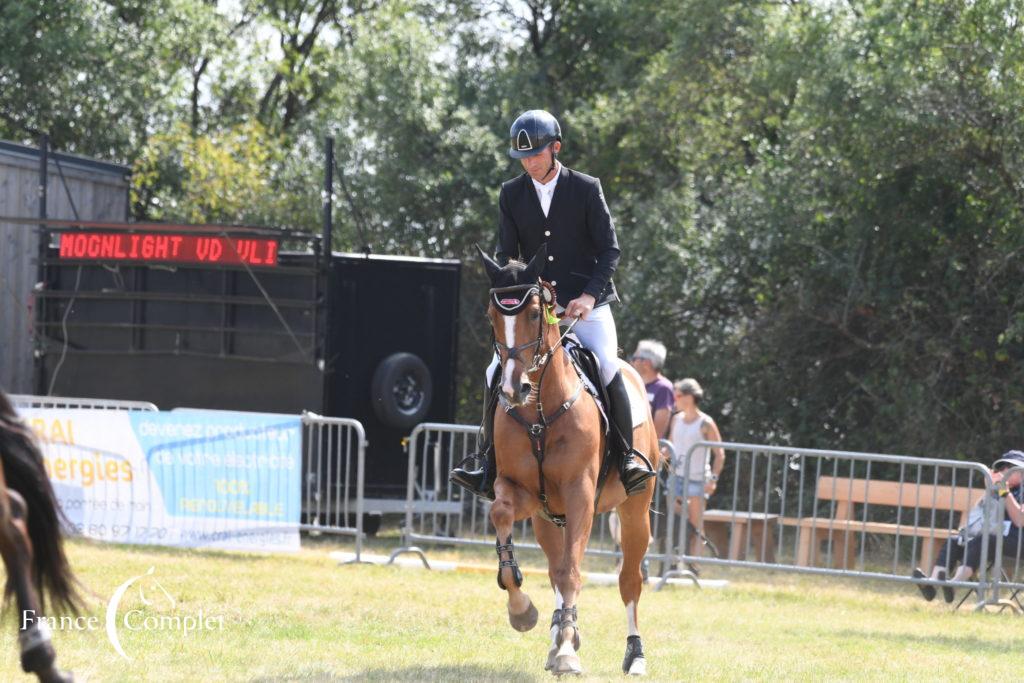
<point>633,471</point>
<point>480,482</point>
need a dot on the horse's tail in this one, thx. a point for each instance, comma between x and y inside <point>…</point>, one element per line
<point>24,472</point>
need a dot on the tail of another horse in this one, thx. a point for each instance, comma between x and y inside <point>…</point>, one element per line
<point>24,472</point>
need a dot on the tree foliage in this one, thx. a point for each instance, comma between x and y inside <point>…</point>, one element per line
<point>819,204</point>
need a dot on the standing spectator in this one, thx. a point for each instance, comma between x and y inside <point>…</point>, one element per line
<point>649,359</point>
<point>689,426</point>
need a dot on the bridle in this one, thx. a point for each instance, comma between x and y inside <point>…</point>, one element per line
<point>510,301</point>
<point>510,305</point>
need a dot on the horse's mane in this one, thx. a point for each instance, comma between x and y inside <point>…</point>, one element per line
<point>25,473</point>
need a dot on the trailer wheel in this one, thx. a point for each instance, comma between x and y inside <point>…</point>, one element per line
<point>401,390</point>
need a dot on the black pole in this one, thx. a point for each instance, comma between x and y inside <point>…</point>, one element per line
<point>40,346</point>
<point>324,277</point>
<point>328,198</point>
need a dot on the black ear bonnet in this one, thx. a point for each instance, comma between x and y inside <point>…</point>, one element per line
<point>513,286</point>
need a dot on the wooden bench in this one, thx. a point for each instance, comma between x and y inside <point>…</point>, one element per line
<point>917,500</point>
<point>743,531</point>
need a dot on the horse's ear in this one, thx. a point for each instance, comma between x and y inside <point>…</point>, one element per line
<point>536,266</point>
<point>490,265</point>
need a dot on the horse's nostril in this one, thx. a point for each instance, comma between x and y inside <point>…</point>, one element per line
<point>524,388</point>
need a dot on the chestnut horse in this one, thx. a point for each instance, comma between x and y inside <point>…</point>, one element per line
<point>549,445</point>
<point>31,546</point>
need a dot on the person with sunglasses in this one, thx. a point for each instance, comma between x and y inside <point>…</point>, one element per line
<point>966,546</point>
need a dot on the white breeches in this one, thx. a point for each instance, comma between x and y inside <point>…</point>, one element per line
<point>598,334</point>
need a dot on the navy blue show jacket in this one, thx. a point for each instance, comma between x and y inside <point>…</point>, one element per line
<point>583,251</point>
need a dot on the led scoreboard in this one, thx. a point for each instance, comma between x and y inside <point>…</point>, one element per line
<point>168,248</point>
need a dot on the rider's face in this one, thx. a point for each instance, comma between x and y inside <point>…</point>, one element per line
<point>539,165</point>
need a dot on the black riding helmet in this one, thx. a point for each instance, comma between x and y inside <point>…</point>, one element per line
<point>532,132</point>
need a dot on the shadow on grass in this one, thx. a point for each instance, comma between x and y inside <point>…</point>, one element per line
<point>953,642</point>
<point>462,672</point>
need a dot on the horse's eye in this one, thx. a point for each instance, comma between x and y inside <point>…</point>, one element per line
<point>534,315</point>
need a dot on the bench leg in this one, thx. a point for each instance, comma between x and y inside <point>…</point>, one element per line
<point>737,538</point>
<point>803,556</point>
<point>929,551</point>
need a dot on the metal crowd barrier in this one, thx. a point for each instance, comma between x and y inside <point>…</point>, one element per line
<point>838,513</point>
<point>103,500</point>
<point>28,401</point>
<point>1006,557</point>
<point>438,512</point>
<point>332,490</point>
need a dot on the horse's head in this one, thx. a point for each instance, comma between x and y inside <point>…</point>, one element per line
<point>518,314</point>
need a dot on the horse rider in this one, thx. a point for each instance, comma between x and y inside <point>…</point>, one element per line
<point>565,209</point>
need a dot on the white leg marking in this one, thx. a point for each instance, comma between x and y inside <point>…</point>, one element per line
<point>510,341</point>
<point>638,667</point>
<point>631,619</point>
<point>553,649</point>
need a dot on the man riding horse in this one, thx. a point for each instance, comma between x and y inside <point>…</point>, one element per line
<point>564,210</point>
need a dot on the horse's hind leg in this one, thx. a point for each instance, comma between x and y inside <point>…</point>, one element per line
<point>512,503</point>
<point>636,532</point>
<point>37,655</point>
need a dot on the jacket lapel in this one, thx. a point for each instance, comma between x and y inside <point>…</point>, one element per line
<point>559,198</point>
<point>531,202</point>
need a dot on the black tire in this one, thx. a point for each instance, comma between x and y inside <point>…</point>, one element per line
<point>401,390</point>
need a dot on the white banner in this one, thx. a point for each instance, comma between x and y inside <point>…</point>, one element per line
<point>195,478</point>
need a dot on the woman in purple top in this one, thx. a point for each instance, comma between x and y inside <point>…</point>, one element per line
<point>648,359</point>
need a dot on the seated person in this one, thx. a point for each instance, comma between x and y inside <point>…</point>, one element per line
<point>966,546</point>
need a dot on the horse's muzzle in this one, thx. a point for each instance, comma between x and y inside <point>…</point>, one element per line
<point>519,392</point>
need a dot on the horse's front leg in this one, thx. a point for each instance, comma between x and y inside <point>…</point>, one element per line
<point>512,503</point>
<point>579,514</point>
<point>37,654</point>
<point>552,541</point>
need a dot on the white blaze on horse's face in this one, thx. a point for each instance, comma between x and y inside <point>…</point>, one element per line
<point>513,331</point>
<point>510,365</point>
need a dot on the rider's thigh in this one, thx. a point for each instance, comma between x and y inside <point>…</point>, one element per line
<point>598,334</point>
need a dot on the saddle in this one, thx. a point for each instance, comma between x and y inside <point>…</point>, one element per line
<point>588,368</point>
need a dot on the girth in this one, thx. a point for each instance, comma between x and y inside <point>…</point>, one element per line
<point>537,432</point>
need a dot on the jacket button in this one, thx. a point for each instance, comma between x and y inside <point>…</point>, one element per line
<point>551,258</point>
<point>554,283</point>
<point>547,233</point>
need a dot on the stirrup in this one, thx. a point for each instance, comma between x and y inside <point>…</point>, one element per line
<point>638,477</point>
<point>478,480</point>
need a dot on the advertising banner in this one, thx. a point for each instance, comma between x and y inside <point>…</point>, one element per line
<point>210,479</point>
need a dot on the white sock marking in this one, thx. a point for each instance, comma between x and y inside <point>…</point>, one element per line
<point>631,619</point>
<point>559,602</point>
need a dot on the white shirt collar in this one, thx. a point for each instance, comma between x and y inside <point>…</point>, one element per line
<point>549,186</point>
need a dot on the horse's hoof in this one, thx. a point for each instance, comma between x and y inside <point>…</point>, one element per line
<point>634,663</point>
<point>566,660</point>
<point>552,653</point>
<point>55,675</point>
<point>567,664</point>
<point>638,667</point>
<point>525,621</point>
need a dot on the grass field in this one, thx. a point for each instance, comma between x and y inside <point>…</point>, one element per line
<point>303,617</point>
